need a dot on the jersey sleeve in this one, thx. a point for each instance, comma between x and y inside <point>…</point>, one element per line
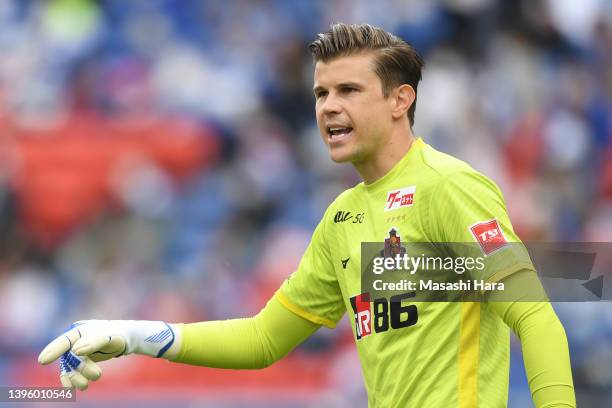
<point>312,291</point>
<point>251,343</point>
<point>467,213</point>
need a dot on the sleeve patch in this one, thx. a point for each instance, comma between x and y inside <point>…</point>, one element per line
<point>489,236</point>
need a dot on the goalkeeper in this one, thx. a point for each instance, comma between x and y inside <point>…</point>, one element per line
<point>365,87</point>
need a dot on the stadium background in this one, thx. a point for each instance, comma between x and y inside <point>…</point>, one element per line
<point>160,160</point>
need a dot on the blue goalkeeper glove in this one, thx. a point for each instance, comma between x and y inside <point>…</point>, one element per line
<point>89,341</point>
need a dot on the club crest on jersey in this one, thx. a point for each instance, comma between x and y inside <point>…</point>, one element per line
<point>404,197</point>
<point>363,317</point>
<point>489,236</point>
<point>393,244</point>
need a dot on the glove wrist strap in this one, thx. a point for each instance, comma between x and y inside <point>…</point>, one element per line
<point>151,338</point>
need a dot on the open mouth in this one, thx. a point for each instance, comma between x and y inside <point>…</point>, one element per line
<point>337,134</point>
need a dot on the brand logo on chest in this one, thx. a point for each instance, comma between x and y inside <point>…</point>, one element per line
<point>403,197</point>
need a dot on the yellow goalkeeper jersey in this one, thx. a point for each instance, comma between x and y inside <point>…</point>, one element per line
<point>414,354</point>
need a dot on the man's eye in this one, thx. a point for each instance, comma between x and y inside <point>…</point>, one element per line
<point>319,95</point>
<point>348,90</point>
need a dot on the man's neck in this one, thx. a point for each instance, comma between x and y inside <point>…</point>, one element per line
<point>385,159</point>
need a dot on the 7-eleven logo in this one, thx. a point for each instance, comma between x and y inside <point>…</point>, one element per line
<point>362,314</point>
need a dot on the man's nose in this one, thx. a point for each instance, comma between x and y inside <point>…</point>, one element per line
<point>331,105</point>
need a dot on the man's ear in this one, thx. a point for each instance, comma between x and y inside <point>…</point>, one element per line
<point>404,97</point>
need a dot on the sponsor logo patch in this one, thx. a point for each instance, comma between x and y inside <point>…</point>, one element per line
<point>362,314</point>
<point>404,197</point>
<point>489,235</point>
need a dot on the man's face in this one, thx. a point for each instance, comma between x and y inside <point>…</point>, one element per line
<point>354,118</point>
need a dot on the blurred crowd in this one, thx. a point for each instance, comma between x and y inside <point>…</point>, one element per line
<point>160,159</point>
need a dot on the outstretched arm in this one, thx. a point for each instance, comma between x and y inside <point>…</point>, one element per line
<point>545,349</point>
<point>250,343</point>
<point>256,342</point>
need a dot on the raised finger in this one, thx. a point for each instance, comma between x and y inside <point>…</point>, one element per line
<point>59,346</point>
